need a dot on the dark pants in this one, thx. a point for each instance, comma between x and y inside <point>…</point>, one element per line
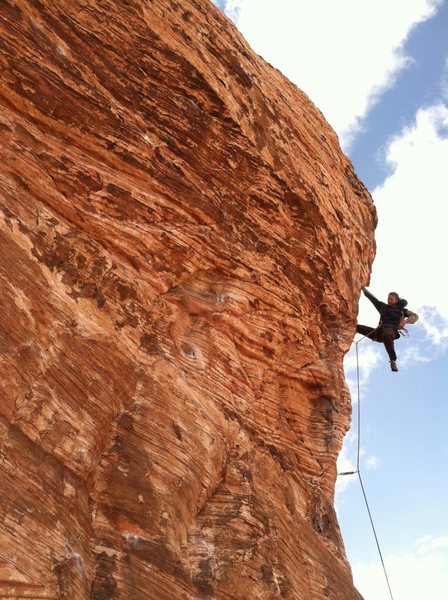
<point>386,335</point>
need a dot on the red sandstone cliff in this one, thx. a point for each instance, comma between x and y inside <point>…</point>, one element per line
<point>182,247</point>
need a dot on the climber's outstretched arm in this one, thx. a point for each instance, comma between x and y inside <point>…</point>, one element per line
<point>376,303</point>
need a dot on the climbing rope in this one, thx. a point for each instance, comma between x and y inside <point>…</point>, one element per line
<point>358,467</point>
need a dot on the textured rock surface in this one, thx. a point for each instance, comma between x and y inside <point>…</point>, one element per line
<point>181,253</point>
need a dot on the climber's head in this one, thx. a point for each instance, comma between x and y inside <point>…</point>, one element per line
<point>393,298</point>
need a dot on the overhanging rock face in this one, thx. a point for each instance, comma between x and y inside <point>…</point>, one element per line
<point>181,253</point>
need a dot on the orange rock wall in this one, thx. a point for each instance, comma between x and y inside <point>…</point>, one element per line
<point>182,246</point>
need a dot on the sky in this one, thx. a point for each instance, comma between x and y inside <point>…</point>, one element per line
<point>378,71</point>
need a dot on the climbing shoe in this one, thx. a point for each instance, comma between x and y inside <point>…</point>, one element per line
<point>393,366</point>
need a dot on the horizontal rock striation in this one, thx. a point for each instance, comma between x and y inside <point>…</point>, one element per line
<point>182,248</point>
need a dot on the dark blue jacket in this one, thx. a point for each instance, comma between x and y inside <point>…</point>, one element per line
<point>390,316</point>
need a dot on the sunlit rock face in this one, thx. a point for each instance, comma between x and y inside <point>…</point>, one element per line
<point>181,253</point>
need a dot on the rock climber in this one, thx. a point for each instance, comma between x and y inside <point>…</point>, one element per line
<point>393,317</point>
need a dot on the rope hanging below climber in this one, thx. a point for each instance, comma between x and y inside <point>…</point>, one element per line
<point>357,471</point>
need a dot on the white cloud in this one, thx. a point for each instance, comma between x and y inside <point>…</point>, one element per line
<point>412,355</point>
<point>342,483</point>
<point>343,57</point>
<point>372,462</point>
<point>412,234</point>
<point>435,325</point>
<point>445,82</point>
<point>420,573</point>
<point>347,463</point>
<point>370,355</point>
<point>428,543</point>
<point>233,8</point>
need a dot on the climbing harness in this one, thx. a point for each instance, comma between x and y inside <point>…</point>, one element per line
<point>358,468</point>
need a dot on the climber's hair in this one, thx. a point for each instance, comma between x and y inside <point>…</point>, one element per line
<point>394,294</point>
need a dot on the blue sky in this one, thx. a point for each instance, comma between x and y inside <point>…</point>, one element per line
<point>379,73</point>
